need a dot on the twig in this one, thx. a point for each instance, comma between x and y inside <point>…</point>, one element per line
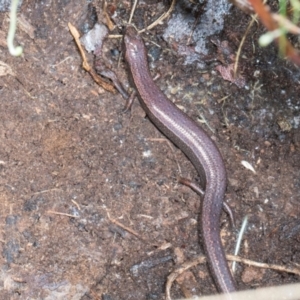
<point>77,205</point>
<point>132,11</point>
<point>123,226</point>
<point>184,267</point>
<point>61,214</point>
<point>286,291</point>
<point>107,86</point>
<point>109,22</point>
<point>202,259</point>
<point>46,191</point>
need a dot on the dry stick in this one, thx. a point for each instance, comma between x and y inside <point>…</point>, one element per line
<point>249,262</point>
<point>61,214</point>
<point>202,259</point>
<point>107,86</point>
<point>46,191</point>
<point>286,292</point>
<point>77,205</point>
<point>124,227</point>
<point>184,267</point>
<point>109,22</point>
<point>132,11</point>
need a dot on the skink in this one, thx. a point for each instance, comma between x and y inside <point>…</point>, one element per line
<point>197,146</point>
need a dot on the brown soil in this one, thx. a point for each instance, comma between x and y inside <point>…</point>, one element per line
<point>76,173</point>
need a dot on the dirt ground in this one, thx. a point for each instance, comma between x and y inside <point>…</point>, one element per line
<point>91,207</point>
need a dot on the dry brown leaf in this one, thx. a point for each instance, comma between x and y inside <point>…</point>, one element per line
<point>227,72</point>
